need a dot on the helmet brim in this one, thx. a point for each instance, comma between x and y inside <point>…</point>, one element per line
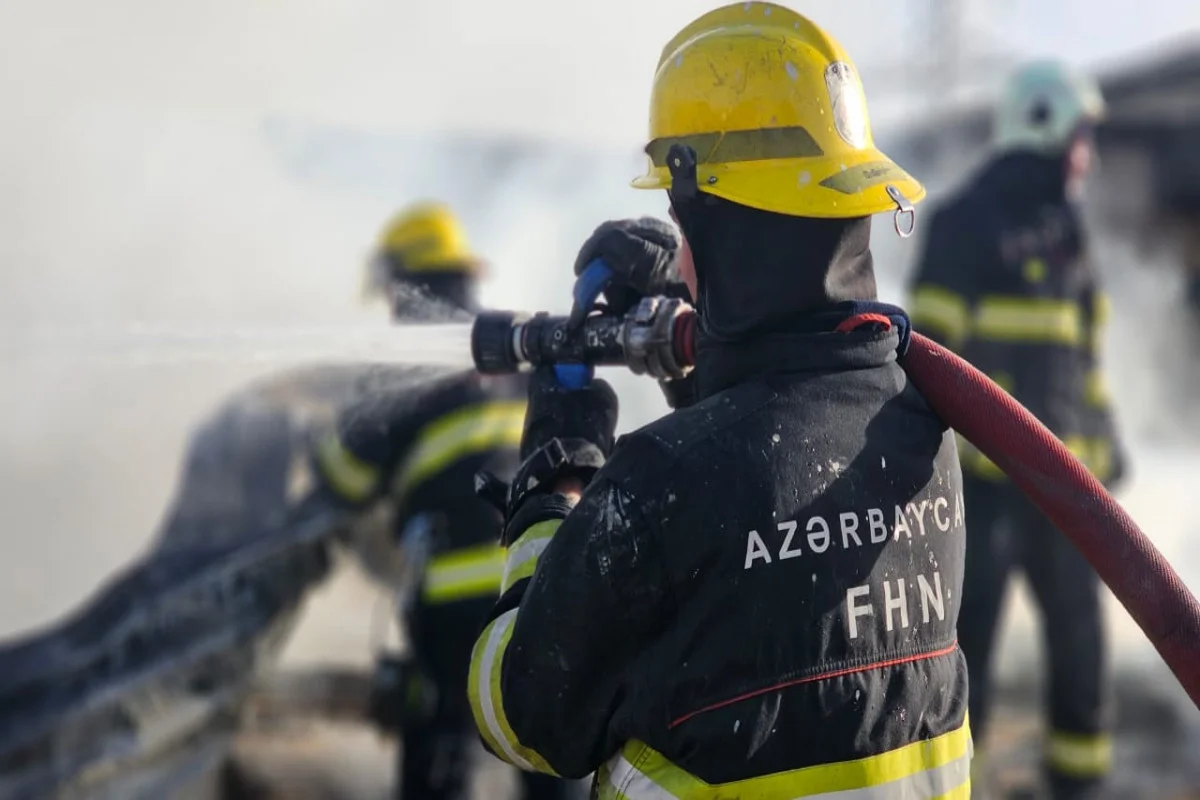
<point>849,187</point>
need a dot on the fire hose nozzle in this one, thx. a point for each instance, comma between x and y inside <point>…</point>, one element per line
<point>655,338</point>
<point>492,338</point>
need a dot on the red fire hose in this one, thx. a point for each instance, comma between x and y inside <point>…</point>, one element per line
<point>1036,461</point>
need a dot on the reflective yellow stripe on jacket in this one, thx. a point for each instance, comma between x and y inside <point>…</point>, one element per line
<point>459,434</point>
<point>1101,313</point>
<point>456,435</point>
<point>1094,451</point>
<point>460,574</point>
<point>942,313</point>
<point>472,571</point>
<point>524,553</point>
<point>487,659</point>
<point>1095,390</point>
<point>999,318</point>
<point>1034,320</point>
<point>937,769</point>
<point>464,574</point>
<point>345,473</point>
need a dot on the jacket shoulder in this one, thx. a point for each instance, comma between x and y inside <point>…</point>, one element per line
<point>674,435</point>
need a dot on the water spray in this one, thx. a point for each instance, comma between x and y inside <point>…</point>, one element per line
<point>657,337</point>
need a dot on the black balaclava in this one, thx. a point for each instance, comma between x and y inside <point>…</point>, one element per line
<point>760,273</point>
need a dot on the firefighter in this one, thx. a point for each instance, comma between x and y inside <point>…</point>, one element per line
<point>419,449</point>
<point>755,595</point>
<point>1005,279</point>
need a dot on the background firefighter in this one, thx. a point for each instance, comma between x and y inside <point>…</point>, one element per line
<point>723,611</point>
<point>419,451</point>
<point>1005,280</point>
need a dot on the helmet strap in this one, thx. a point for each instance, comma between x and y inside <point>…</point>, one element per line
<point>681,163</point>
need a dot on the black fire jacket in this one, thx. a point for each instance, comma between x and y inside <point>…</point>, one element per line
<point>418,436</point>
<point>755,597</point>
<point>1005,281</point>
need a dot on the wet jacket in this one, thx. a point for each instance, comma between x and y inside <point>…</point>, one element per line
<point>1005,280</point>
<point>418,437</point>
<point>756,595</point>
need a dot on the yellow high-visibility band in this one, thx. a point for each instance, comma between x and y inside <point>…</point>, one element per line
<point>1079,755</point>
<point>942,312</point>
<point>463,574</point>
<point>346,473</point>
<point>487,699</point>
<point>459,434</point>
<point>1094,452</point>
<point>937,769</point>
<point>524,553</point>
<point>1029,319</point>
<point>1095,390</point>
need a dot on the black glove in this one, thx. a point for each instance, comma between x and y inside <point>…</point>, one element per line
<point>587,415</point>
<point>641,254</point>
<point>568,434</point>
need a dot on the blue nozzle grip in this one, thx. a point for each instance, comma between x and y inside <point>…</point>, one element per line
<point>588,286</point>
<point>573,376</point>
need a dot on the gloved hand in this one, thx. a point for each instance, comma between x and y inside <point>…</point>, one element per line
<point>587,414</point>
<point>641,255</point>
<point>568,435</point>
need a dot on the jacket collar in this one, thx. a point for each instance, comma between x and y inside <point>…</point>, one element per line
<point>848,336</point>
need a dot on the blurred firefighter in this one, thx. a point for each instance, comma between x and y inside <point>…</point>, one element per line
<point>1005,280</point>
<point>419,450</point>
<point>754,596</point>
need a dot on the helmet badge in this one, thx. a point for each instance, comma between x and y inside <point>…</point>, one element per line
<point>849,105</point>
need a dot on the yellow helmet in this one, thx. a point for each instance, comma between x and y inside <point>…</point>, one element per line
<point>775,113</point>
<point>428,237</point>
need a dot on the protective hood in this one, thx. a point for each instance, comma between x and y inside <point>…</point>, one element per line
<point>760,273</point>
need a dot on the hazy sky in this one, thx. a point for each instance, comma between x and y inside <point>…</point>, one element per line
<point>575,67</point>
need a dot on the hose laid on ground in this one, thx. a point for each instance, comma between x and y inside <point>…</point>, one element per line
<point>1036,461</point>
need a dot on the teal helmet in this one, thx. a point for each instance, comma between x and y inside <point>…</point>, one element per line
<point>1043,106</point>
